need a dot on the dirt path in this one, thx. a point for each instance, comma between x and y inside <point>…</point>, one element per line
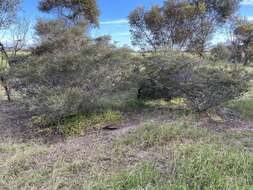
<point>14,117</point>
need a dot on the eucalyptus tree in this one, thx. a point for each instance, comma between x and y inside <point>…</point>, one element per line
<point>184,24</point>
<point>72,10</point>
<point>243,40</point>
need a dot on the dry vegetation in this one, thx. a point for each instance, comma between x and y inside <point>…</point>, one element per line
<point>83,114</point>
<point>156,146</point>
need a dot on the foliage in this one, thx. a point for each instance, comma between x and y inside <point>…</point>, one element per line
<point>156,72</point>
<point>221,53</point>
<point>243,41</point>
<point>183,25</point>
<point>54,36</point>
<point>8,12</point>
<point>204,87</point>
<point>69,73</point>
<point>208,88</point>
<point>73,10</point>
<point>244,106</point>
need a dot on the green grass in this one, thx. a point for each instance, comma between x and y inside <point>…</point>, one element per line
<point>157,135</point>
<point>244,106</point>
<point>144,176</point>
<point>211,167</point>
<point>179,156</point>
<point>76,125</point>
<point>194,167</point>
<point>191,159</point>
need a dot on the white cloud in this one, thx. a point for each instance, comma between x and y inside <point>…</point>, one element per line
<point>247,2</point>
<point>113,22</point>
<point>250,18</point>
<point>121,34</point>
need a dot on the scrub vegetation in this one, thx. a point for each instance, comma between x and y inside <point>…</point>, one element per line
<point>78,112</point>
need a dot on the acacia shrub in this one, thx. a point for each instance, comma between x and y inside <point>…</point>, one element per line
<point>168,76</point>
<point>57,85</point>
<point>210,87</point>
<point>157,74</point>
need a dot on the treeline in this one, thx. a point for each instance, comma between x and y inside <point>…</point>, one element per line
<point>70,73</point>
<point>239,49</point>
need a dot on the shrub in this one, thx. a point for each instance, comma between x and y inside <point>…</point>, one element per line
<point>179,76</point>
<point>211,87</point>
<point>157,75</point>
<point>220,53</point>
<point>72,78</point>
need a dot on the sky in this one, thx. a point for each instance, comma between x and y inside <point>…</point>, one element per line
<point>113,18</point>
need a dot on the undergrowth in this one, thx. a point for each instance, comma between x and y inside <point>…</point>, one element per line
<point>78,124</point>
<point>75,125</point>
<point>244,105</point>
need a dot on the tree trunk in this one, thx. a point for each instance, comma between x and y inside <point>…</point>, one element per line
<point>3,81</point>
<point>7,90</point>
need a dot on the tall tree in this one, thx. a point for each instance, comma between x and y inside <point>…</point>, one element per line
<point>147,27</point>
<point>72,10</point>
<point>184,24</point>
<point>244,40</point>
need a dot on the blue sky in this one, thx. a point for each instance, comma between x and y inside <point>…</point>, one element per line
<point>113,18</point>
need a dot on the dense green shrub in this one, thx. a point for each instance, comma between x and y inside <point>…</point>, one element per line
<point>73,75</point>
<point>211,87</point>
<point>157,74</point>
<point>180,76</point>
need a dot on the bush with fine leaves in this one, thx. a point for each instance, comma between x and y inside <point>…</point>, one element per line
<point>72,77</point>
<point>183,76</point>
<point>210,87</point>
